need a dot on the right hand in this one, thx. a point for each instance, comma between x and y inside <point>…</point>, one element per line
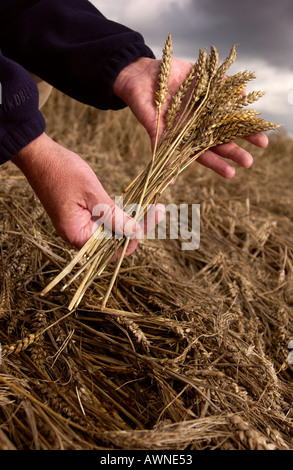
<point>136,85</point>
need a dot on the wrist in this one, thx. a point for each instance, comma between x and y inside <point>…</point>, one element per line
<point>32,154</point>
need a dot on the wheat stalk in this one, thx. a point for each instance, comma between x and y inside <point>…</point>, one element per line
<point>206,110</point>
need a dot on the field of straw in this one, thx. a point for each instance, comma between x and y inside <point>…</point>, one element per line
<point>191,352</point>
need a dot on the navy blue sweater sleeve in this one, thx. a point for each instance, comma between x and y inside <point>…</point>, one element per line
<point>20,119</point>
<point>71,45</point>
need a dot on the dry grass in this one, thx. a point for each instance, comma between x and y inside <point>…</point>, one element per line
<point>191,352</point>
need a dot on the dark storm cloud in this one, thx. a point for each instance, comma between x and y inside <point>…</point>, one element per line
<point>261,28</point>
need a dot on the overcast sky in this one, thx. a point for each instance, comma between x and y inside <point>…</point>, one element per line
<point>262,29</point>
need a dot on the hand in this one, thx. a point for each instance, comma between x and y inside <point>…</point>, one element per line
<point>136,85</point>
<point>69,191</point>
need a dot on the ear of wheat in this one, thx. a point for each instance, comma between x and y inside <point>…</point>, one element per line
<point>208,109</point>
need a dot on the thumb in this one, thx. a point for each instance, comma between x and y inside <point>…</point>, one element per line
<point>114,218</point>
<point>153,217</point>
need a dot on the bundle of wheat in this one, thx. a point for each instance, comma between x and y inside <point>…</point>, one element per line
<point>206,110</point>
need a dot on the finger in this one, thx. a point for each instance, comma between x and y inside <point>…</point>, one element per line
<point>130,249</point>
<point>212,161</point>
<point>235,153</point>
<point>153,217</point>
<point>112,216</point>
<point>259,139</point>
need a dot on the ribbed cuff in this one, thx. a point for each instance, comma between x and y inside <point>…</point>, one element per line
<point>20,135</point>
<point>120,60</point>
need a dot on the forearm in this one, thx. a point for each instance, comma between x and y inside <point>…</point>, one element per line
<point>72,46</point>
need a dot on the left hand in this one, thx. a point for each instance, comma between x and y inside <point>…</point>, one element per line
<point>136,85</point>
<point>71,194</point>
